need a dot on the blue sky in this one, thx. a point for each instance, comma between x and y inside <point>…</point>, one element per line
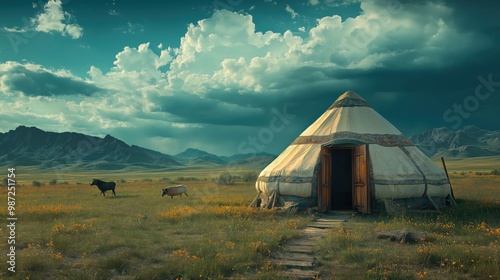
<point>218,75</point>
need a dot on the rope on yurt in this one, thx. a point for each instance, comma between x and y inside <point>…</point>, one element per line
<point>425,194</point>
<point>452,197</point>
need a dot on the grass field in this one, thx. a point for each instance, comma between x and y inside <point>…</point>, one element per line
<point>479,164</point>
<point>462,243</point>
<point>68,231</point>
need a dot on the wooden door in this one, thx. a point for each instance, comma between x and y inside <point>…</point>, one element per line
<point>361,186</point>
<point>324,182</point>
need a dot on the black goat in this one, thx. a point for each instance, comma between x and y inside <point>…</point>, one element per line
<point>104,186</point>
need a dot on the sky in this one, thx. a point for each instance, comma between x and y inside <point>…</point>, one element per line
<point>234,76</point>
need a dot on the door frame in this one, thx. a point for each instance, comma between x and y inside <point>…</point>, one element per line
<point>324,180</point>
<point>360,201</point>
<point>361,179</point>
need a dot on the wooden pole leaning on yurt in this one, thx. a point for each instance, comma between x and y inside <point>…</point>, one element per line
<point>451,189</point>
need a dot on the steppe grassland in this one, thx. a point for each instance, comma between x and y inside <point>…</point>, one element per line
<point>462,243</point>
<point>69,231</point>
<point>472,165</point>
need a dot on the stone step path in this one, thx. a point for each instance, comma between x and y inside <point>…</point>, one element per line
<point>297,256</point>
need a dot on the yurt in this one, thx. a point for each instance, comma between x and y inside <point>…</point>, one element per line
<point>352,158</point>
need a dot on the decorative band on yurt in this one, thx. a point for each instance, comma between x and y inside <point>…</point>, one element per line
<point>349,102</point>
<point>438,182</point>
<point>285,179</point>
<point>386,140</point>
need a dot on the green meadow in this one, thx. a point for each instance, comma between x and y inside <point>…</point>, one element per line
<point>460,243</point>
<point>66,230</point>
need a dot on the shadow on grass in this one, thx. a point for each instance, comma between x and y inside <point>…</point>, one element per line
<point>121,196</point>
<point>487,211</point>
<point>466,211</point>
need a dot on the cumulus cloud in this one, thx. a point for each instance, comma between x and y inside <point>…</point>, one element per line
<point>35,80</point>
<point>225,53</point>
<point>135,68</point>
<point>223,58</point>
<point>53,18</point>
<point>226,74</point>
<point>55,100</point>
<point>193,109</point>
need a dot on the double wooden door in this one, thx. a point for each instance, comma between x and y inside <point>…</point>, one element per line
<point>359,179</point>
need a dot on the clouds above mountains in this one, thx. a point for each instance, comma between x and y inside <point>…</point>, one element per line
<point>51,19</point>
<point>34,80</point>
<point>226,75</point>
<point>54,19</point>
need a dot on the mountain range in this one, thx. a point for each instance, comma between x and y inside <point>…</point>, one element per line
<point>194,156</point>
<point>30,146</point>
<point>469,141</point>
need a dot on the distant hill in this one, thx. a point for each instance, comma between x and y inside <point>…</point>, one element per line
<point>191,153</point>
<point>239,157</point>
<point>201,158</point>
<point>470,141</point>
<point>195,156</point>
<point>29,146</point>
<point>257,162</point>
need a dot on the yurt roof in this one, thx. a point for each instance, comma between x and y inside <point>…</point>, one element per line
<point>351,117</point>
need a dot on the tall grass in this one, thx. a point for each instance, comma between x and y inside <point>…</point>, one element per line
<point>70,231</point>
<point>461,243</point>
